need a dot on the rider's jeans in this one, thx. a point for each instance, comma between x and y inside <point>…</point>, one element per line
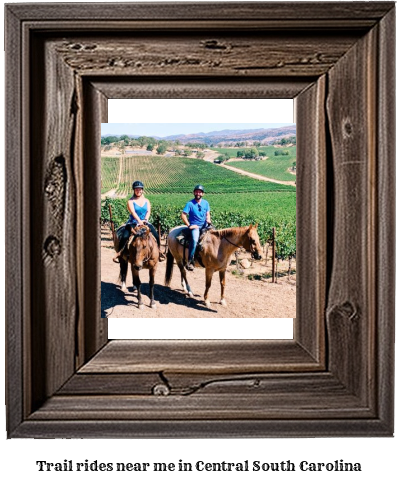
<point>195,233</point>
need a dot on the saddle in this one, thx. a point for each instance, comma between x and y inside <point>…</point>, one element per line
<point>125,236</point>
<point>119,247</point>
<point>184,237</point>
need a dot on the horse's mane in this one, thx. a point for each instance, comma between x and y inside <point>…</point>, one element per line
<point>225,232</point>
<point>142,232</point>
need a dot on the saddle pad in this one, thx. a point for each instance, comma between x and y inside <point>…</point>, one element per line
<point>119,231</point>
<point>184,236</point>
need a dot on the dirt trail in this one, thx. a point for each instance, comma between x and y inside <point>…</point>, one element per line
<point>211,155</point>
<point>257,176</point>
<point>258,298</point>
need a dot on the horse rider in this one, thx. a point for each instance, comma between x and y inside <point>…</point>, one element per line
<point>139,208</point>
<point>196,215</point>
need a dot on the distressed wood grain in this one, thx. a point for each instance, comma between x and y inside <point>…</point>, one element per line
<point>385,224</point>
<point>52,218</point>
<point>335,378</point>
<point>191,428</point>
<point>351,108</point>
<point>135,87</point>
<point>359,14</point>
<point>200,356</point>
<point>312,217</point>
<point>17,255</point>
<point>250,54</point>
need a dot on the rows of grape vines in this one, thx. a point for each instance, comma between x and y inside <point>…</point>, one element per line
<point>275,167</point>
<point>109,173</point>
<point>180,175</point>
<point>235,200</point>
<point>167,214</point>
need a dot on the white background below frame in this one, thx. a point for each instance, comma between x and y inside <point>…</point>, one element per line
<point>200,111</point>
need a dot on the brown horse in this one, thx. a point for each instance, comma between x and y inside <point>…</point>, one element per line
<point>217,249</point>
<point>142,252</point>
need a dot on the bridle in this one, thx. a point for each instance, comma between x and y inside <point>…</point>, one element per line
<point>147,258</point>
<point>239,246</point>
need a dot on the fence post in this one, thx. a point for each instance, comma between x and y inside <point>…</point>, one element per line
<point>112,223</point>
<point>274,256</point>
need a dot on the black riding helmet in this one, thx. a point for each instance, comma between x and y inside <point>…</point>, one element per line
<point>137,184</point>
<point>200,187</point>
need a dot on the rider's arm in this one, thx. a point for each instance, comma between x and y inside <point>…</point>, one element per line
<point>208,214</point>
<point>130,207</point>
<point>148,214</point>
<point>184,217</point>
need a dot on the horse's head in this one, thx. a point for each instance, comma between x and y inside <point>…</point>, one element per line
<point>252,243</point>
<point>138,246</point>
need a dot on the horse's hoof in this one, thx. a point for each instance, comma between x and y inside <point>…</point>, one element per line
<point>223,302</point>
<point>141,306</point>
<point>190,294</point>
<point>124,287</point>
<point>153,305</point>
<point>208,304</point>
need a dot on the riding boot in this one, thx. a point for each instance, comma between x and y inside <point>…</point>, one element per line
<point>117,256</point>
<point>123,238</point>
<point>162,256</point>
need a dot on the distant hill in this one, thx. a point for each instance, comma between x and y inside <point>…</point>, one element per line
<point>265,136</point>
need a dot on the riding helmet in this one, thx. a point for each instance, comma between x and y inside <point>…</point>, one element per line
<point>137,184</point>
<point>200,187</point>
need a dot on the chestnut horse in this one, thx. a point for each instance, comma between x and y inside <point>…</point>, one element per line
<point>217,249</point>
<point>142,252</point>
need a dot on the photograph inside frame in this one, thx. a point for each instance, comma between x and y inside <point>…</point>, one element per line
<point>198,220</point>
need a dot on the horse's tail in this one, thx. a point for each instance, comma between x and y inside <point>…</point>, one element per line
<point>169,268</point>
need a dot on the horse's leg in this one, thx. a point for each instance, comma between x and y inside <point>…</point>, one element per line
<point>222,276</point>
<point>137,284</point>
<point>208,281</point>
<point>184,282</point>
<point>123,265</point>
<point>152,281</point>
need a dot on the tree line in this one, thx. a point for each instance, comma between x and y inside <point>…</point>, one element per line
<point>162,145</point>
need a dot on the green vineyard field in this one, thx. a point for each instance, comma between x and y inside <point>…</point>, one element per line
<point>235,200</point>
<point>109,173</point>
<point>180,175</point>
<point>275,167</point>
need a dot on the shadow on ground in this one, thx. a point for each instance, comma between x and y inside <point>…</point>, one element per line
<point>163,295</point>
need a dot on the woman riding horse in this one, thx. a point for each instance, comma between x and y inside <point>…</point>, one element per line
<point>143,254</point>
<point>139,208</point>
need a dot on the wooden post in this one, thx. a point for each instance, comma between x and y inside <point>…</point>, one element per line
<point>112,223</point>
<point>274,256</point>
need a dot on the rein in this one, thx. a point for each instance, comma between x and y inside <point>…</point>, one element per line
<point>149,253</point>
<point>238,246</point>
<point>235,245</point>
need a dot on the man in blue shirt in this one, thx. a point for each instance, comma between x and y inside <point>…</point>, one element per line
<point>196,215</point>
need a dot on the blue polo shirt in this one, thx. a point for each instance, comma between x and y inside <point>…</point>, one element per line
<point>196,212</point>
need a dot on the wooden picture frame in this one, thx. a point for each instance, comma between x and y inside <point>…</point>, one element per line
<point>335,378</point>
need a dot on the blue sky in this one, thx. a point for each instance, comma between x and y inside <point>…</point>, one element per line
<point>165,129</point>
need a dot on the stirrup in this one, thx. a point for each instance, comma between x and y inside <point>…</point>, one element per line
<point>116,258</point>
